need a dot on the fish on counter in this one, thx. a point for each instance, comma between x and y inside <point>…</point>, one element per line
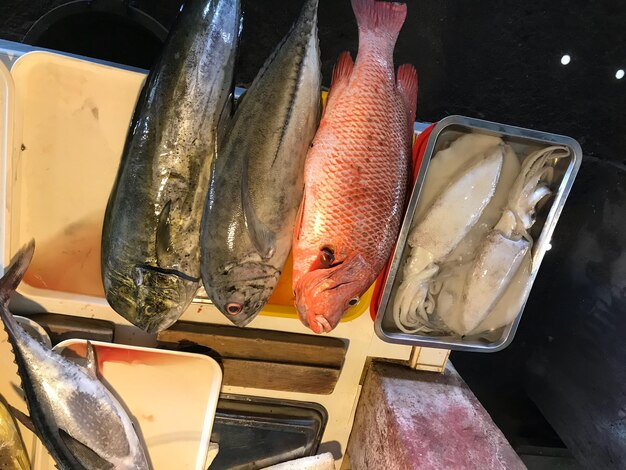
<point>77,418</point>
<point>257,181</point>
<point>151,234</point>
<point>13,455</point>
<point>356,172</point>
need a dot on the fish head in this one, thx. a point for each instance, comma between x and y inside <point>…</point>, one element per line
<point>324,295</point>
<point>241,290</point>
<point>152,298</point>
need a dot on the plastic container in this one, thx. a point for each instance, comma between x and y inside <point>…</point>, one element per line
<point>73,116</point>
<point>273,431</point>
<point>7,95</point>
<point>524,141</point>
<point>172,397</point>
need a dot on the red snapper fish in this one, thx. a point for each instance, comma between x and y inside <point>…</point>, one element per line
<point>356,172</point>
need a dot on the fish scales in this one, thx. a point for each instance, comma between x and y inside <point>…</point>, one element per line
<point>150,243</point>
<point>356,172</point>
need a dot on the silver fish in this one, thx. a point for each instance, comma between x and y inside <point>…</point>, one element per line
<point>257,181</point>
<point>151,235</point>
<point>78,419</point>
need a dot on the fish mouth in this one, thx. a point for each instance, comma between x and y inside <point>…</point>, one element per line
<point>248,286</point>
<point>310,292</point>
<point>323,295</point>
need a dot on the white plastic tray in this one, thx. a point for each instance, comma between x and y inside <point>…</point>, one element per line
<point>72,117</point>
<point>6,137</point>
<point>171,396</point>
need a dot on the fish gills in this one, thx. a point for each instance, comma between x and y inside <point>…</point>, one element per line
<point>151,235</point>
<point>356,172</point>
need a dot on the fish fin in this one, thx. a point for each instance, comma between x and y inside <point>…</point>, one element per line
<point>15,272</point>
<point>82,453</point>
<point>9,282</point>
<point>92,363</point>
<point>298,225</point>
<point>24,419</point>
<point>343,69</point>
<point>407,86</point>
<point>341,76</point>
<point>262,237</point>
<point>241,97</point>
<point>373,15</point>
<point>225,119</point>
<point>163,234</point>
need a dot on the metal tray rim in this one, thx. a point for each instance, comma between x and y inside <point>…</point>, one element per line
<point>544,238</point>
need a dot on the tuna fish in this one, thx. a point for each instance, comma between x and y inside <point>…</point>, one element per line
<point>12,453</point>
<point>257,181</point>
<point>356,172</point>
<point>151,235</point>
<point>78,419</point>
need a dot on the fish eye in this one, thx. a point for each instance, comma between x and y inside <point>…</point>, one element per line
<point>234,308</point>
<point>327,257</point>
<point>353,301</point>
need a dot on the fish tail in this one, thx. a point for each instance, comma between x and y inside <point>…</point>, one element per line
<point>381,17</point>
<point>407,86</point>
<point>15,272</point>
<point>11,279</point>
<point>309,11</point>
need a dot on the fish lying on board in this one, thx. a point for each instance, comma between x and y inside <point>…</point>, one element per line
<point>257,182</point>
<point>356,172</point>
<point>12,453</point>
<point>80,422</point>
<point>151,235</point>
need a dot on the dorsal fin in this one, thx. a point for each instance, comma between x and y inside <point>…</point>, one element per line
<point>225,119</point>
<point>15,272</point>
<point>407,87</point>
<point>341,77</point>
<point>263,239</point>
<point>24,419</point>
<point>92,362</point>
<point>298,225</point>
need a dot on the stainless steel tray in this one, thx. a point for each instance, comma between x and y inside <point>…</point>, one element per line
<point>523,141</point>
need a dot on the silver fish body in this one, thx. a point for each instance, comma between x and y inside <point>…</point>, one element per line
<point>150,240</point>
<point>78,419</point>
<point>257,183</point>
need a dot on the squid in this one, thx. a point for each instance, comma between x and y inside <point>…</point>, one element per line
<point>501,253</point>
<point>451,216</point>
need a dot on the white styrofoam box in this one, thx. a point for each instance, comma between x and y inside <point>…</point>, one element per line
<point>171,396</point>
<point>72,117</point>
<point>6,136</point>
